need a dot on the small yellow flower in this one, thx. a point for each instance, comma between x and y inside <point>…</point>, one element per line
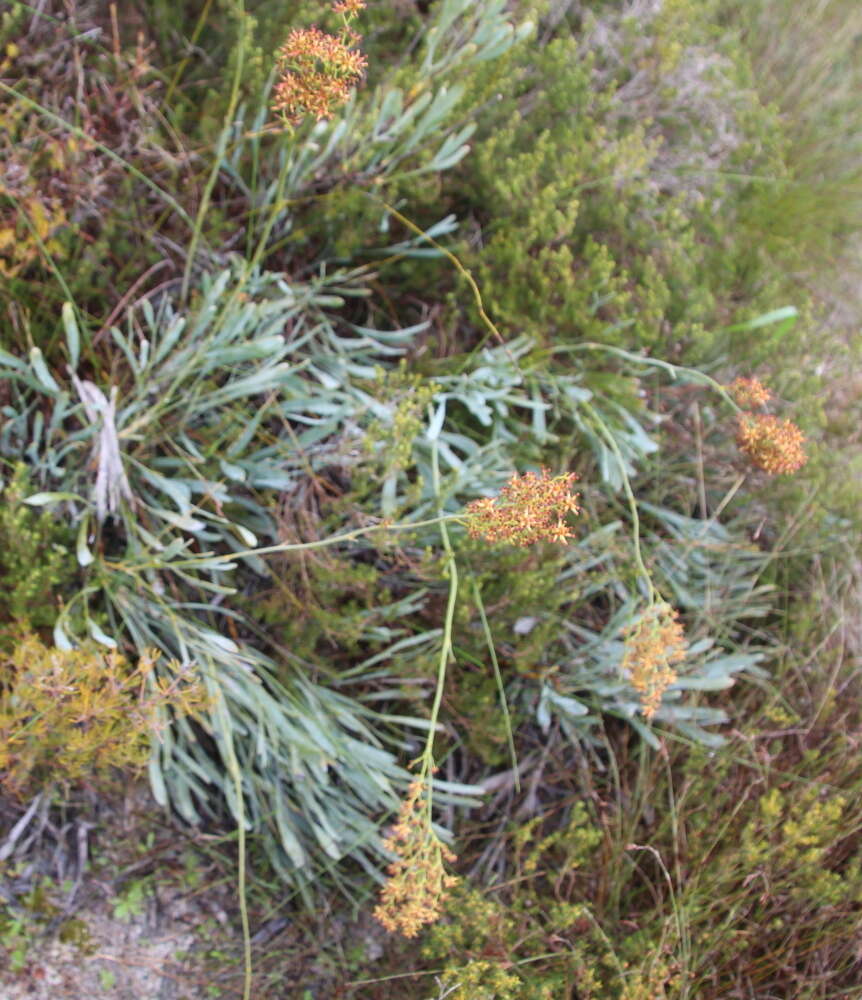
<point>530,508</point>
<point>772,444</point>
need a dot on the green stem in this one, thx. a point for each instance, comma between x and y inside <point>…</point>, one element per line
<point>602,428</point>
<point>673,370</point>
<point>209,559</point>
<point>465,274</point>
<point>85,137</point>
<point>219,153</point>
<point>498,677</point>
<point>166,100</point>
<point>446,652</point>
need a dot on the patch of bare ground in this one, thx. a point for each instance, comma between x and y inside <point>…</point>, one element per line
<point>105,898</point>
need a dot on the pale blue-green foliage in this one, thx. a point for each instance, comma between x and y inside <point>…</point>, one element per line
<point>200,431</point>
<point>227,406</point>
<point>707,570</point>
<point>199,391</point>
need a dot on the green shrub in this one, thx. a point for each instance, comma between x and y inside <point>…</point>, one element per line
<point>36,562</point>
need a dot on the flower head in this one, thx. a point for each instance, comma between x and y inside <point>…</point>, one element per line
<point>749,392</point>
<point>653,644</point>
<point>530,508</point>
<point>350,8</point>
<point>418,885</point>
<point>318,72</point>
<point>772,444</point>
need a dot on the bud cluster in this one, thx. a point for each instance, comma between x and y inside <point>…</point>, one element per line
<point>349,8</point>
<point>530,508</point>
<point>417,886</point>
<point>653,644</point>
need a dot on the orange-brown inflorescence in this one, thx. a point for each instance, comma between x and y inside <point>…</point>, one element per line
<point>749,392</point>
<point>772,444</point>
<point>653,644</point>
<point>417,886</point>
<point>350,8</point>
<point>318,69</point>
<point>530,508</point>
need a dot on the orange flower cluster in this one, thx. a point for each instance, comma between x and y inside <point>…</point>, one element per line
<point>530,508</point>
<point>418,885</point>
<point>772,444</point>
<point>350,8</point>
<point>653,645</point>
<point>749,392</point>
<point>318,69</point>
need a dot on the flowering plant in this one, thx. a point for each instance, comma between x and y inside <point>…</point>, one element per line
<point>318,69</point>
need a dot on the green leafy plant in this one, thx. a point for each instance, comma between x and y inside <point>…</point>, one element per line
<point>36,561</point>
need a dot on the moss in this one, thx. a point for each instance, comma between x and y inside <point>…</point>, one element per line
<point>76,932</point>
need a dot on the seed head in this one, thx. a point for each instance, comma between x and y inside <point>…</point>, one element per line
<point>417,886</point>
<point>530,508</point>
<point>772,444</point>
<point>653,644</point>
<point>749,392</point>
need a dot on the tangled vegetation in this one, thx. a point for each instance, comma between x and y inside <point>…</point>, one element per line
<point>298,373</point>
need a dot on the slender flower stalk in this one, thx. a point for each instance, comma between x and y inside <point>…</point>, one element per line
<point>416,888</point>
<point>531,508</point>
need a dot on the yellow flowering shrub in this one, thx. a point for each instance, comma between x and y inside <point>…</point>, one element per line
<point>74,715</point>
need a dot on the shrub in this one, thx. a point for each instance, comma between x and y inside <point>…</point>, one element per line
<point>36,562</point>
<point>68,716</point>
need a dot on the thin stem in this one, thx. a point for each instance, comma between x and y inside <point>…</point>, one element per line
<point>166,100</point>
<point>209,559</point>
<point>446,652</point>
<point>465,274</point>
<point>673,370</point>
<point>602,428</point>
<point>219,153</point>
<point>498,677</point>
<point>86,137</point>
